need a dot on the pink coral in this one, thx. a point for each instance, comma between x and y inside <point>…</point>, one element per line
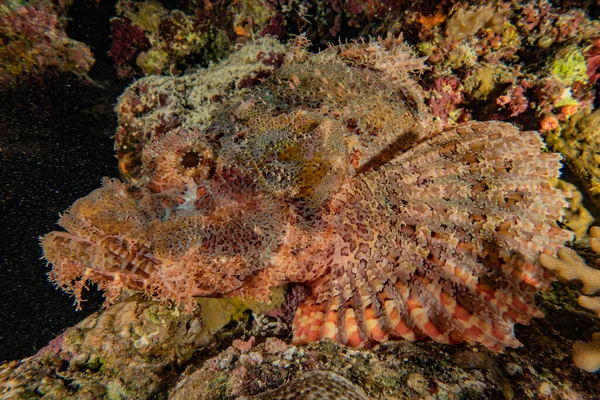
<point>445,96</point>
<point>515,99</point>
<point>593,68</point>
<point>593,61</point>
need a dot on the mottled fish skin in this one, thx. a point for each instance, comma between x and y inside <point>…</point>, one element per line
<point>331,174</point>
<point>315,385</point>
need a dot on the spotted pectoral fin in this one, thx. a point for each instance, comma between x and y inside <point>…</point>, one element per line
<point>356,322</point>
<point>443,241</point>
<point>351,308</point>
<point>363,302</point>
<point>362,308</point>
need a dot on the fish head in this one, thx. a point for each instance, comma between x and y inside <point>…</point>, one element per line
<point>219,212</point>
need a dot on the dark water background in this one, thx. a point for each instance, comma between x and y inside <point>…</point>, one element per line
<point>56,145</point>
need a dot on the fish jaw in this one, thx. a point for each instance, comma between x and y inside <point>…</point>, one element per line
<point>117,238</point>
<point>105,241</point>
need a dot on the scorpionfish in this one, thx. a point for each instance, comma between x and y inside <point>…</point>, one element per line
<point>331,173</point>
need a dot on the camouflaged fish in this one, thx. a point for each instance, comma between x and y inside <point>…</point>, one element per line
<point>330,174</point>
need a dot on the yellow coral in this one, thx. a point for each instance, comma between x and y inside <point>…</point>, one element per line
<point>466,22</point>
<point>483,81</point>
<point>577,218</point>
<point>216,313</point>
<point>570,266</point>
<point>587,355</point>
<point>579,142</point>
<point>147,16</point>
<point>569,66</point>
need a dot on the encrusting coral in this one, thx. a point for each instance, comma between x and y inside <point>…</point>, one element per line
<point>579,141</point>
<point>126,351</point>
<point>331,173</point>
<point>570,267</point>
<point>33,40</point>
<point>136,349</point>
<point>151,38</point>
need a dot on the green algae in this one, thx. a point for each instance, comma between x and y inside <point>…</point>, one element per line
<point>570,67</point>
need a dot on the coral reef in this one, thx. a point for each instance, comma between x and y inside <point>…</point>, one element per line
<point>579,141</point>
<point>570,266</point>
<point>33,40</point>
<point>136,350</point>
<point>329,172</point>
<point>396,370</point>
<point>534,63</point>
<point>130,350</point>
<point>150,39</point>
<point>158,39</point>
<point>531,59</point>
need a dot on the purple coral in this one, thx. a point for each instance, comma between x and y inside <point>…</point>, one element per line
<point>128,42</point>
<point>515,99</point>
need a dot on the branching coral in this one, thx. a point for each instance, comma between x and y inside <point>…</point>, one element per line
<point>570,267</point>
<point>577,218</point>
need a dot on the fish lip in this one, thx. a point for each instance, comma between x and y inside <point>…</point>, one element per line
<point>64,246</point>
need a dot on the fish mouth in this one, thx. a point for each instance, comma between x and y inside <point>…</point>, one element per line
<point>83,254</point>
<point>113,267</point>
<point>77,257</point>
<point>109,240</point>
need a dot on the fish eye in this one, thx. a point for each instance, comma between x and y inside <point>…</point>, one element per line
<point>191,159</point>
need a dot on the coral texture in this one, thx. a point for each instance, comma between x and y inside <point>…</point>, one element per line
<point>33,40</point>
<point>151,39</point>
<point>577,218</point>
<point>133,349</point>
<point>330,173</point>
<point>126,351</point>
<point>570,267</point>
<point>579,142</point>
